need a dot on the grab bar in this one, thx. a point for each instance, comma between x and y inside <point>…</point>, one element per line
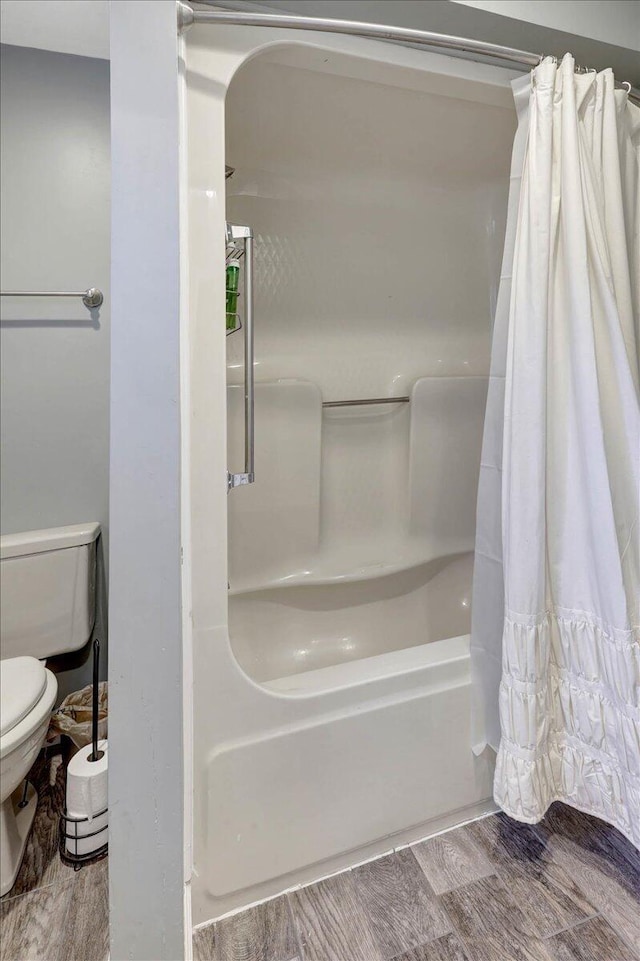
<point>233,233</point>
<point>90,298</point>
<point>366,400</point>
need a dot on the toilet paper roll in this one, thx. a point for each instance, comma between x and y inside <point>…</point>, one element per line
<point>87,796</point>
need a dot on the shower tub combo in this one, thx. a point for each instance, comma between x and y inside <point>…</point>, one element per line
<point>332,676</point>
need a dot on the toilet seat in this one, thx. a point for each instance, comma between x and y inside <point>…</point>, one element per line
<point>22,732</point>
<point>22,683</point>
<point>19,745</point>
<point>36,716</point>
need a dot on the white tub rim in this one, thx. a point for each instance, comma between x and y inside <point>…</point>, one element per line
<point>450,654</point>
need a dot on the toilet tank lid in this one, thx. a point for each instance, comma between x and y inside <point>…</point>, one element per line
<point>50,539</point>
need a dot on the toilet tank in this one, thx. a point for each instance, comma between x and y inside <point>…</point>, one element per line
<point>47,590</point>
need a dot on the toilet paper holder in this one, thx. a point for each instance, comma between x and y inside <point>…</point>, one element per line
<point>70,824</point>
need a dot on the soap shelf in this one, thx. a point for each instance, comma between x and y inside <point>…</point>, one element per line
<point>70,823</point>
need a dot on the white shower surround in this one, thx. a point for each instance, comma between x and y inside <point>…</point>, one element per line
<point>303,774</point>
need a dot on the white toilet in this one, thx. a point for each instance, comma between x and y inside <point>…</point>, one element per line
<point>47,585</point>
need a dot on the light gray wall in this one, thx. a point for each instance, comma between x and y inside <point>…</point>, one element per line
<point>612,21</point>
<point>538,27</point>
<point>55,353</point>
<point>146,750</point>
<point>82,26</point>
<point>69,26</point>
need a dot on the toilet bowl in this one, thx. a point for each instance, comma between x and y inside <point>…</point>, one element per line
<point>27,696</point>
<point>47,583</point>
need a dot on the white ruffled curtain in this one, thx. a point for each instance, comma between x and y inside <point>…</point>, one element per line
<point>556,600</point>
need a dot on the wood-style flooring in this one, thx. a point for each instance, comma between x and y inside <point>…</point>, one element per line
<point>567,889</point>
<point>54,913</point>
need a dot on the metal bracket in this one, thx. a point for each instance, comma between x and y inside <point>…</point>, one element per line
<point>92,298</point>
<point>185,16</point>
<point>239,480</point>
<point>237,232</point>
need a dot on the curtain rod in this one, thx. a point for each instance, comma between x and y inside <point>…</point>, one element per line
<point>373,31</point>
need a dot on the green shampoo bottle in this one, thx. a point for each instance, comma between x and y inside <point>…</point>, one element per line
<point>233,277</point>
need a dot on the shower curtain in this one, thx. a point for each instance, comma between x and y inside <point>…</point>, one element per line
<point>556,598</point>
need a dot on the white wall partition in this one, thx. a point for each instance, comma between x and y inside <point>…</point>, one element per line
<point>148,768</point>
<point>375,179</point>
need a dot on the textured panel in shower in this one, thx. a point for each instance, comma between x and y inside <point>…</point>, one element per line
<point>274,523</point>
<point>447,415</point>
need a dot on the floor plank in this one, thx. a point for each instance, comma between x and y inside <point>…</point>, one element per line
<point>448,948</point>
<point>86,926</point>
<point>41,864</point>
<point>491,924</point>
<point>263,933</point>
<point>609,879</point>
<point>402,910</point>
<point>451,859</point>
<point>332,922</point>
<point>594,835</point>
<point>32,925</point>
<point>595,940</point>
<point>204,943</point>
<point>549,897</point>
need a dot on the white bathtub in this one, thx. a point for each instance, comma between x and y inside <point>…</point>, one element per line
<point>381,757</point>
<point>368,744</point>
